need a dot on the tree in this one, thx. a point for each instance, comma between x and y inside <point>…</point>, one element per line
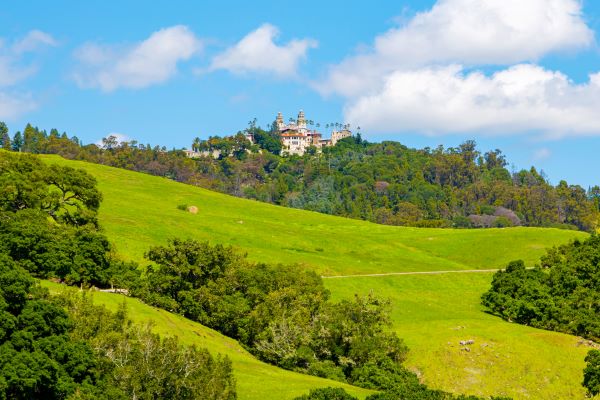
<point>66,194</point>
<point>31,139</point>
<point>591,373</point>
<point>4,137</point>
<point>110,142</point>
<point>17,143</point>
<point>196,144</point>
<point>328,393</point>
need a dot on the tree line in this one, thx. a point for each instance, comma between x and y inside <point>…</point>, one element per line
<point>386,182</point>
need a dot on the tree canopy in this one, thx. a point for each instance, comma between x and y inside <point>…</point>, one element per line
<point>385,182</point>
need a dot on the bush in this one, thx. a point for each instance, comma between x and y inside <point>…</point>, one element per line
<point>327,394</point>
<point>591,373</point>
<point>560,294</point>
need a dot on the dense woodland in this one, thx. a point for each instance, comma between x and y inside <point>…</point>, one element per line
<point>386,182</point>
<point>65,347</point>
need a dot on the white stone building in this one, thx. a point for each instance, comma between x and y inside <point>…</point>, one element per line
<point>296,138</point>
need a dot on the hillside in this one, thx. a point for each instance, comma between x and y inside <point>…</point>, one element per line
<point>255,379</point>
<point>432,312</point>
<point>139,211</point>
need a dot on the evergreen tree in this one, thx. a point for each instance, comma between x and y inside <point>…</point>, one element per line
<point>17,143</point>
<point>4,137</point>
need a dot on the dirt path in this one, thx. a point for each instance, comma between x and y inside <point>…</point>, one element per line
<point>462,271</point>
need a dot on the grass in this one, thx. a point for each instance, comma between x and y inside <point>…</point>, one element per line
<point>431,312</point>
<point>139,211</point>
<point>255,380</point>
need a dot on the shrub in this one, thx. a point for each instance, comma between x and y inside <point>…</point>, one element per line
<point>328,393</point>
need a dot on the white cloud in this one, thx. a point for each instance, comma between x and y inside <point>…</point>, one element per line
<point>13,106</point>
<point>467,32</point>
<point>12,73</point>
<point>440,100</point>
<point>33,41</point>
<point>149,62</point>
<point>12,67</point>
<point>542,154</point>
<point>15,68</point>
<point>257,52</point>
<point>422,76</point>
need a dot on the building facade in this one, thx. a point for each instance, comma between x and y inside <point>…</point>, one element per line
<point>296,138</point>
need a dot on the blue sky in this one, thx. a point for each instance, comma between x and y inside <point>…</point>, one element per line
<point>511,76</point>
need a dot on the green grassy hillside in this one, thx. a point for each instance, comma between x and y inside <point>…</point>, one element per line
<point>255,380</point>
<point>431,312</point>
<point>139,211</point>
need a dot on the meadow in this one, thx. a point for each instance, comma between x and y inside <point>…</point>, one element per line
<point>432,313</point>
<point>140,210</point>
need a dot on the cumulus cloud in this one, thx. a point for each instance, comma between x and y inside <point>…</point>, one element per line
<point>146,63</point>
<point>441,100</point>
<point>467,32</point>
<point>424,76</point>
<point>258,52</point>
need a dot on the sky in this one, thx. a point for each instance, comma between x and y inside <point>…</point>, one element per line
<point>520,76</point>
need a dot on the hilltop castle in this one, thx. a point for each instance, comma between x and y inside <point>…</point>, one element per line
<point>296,138</point>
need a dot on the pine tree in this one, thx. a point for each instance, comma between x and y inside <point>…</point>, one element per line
<point>17,143</point>
<point>4,138</point>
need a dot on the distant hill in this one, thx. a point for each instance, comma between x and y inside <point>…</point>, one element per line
<point>386,183</point>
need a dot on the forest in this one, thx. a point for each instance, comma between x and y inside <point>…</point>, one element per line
<point>386,183</point>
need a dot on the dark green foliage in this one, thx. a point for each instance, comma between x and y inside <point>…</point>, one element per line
<point>5,142</point>
<point>17,142</point>
<point>38,359</point>
<point>386,182</point>
<point>280,313</point>
<point>140,363</point>
<point>562,293</point>
<point>90,353</point>
<point>591,373</point>
<point>65,194</point>
<point>328,393</point>
<point>48,223</point>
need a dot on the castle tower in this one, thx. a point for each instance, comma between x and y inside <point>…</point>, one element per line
<point>301,120</point>
<point>279,121</point>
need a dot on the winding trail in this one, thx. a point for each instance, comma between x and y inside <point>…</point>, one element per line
<point>462,271</point>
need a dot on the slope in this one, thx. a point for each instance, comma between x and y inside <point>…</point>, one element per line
<point>255,379</point>
<point>139,211</point>
<point>431,312</point>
